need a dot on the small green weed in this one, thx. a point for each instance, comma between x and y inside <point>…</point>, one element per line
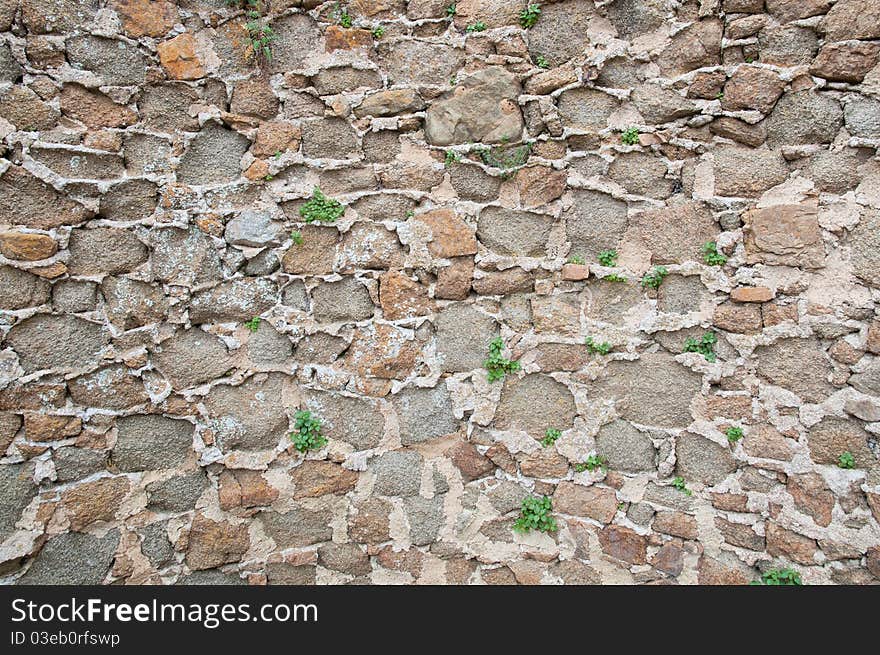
<point>719,95</point>
<point>608,257</point>
<point>779,577</point>
<point>734,434</point>
<point>535,515</point>
<point>254,324</point>
<point>846,461</point>
<point>260,37</point>
<point>479,26</point>
<point>529,16</point>
<point>679,483</point>
<point>452,157</point>
<point>541,62</point>
<point>577,259</point>
<point>598,348</point>
<point>497,365</point>
<point>614,277</point>
<point>343,18</point>
<point>711,255</point>
<point>705,346</point>
<point>321,208</point>
<point>630,136</point>
<point>450,11</point>
<point>297,237</point>
<point>378,32</point>
<point>550,437</point>
<point>592,463</point>
<point>506,158</point>
<point>308,432</point>
<point>654,278</point>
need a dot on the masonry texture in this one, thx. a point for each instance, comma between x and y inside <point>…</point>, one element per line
<point>151,179</point>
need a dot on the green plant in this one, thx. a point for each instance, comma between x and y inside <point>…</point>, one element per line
<point>378,32</point>
<point>711,255</point>
<point>505,157</point>
<point>577,259</point>
<point>846,460</point>
<point>779,577</point>
<point>541,62</point>
<point>614,277</point>
<point>591,464</point>
<point>410,213</point>
<point>734,434</point>
<point>260,37</point>
<point>308,432</point>
<point>450,11</point>
<point>321,208</point>
<point>297,237</point>
<point>268,177</point>
<point>719,95</point>
<point>598,348</point>
<point>452,157</point>
<point>535,515</point>
<point>630,136</point>
<point>679,483</point>
<point>608,257</point>
<point>705,346</point>
<point>654,278</point>
<point>529,16</point>
<point>277,154</point>
<point>342,16</point>
<point>550,437</point>
<point>254,324</point>
<point>497,365</point>
<point>479,26</point>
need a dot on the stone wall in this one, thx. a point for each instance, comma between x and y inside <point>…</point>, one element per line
<point>153,172</point>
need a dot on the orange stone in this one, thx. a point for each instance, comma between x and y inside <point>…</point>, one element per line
<point>751,294</point>
<point>257,171</point>
<point>145,17</point>
<point>51,271</point>
<point>341,38</point>
<point>25,246</point>
<point>180,59</point>
<point>575,272</point>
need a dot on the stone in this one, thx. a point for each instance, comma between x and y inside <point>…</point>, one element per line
<point>424,414</point>
<point>765,441</point>
<point>22,289</point>
<point>182,57</point>
<point>788,10</point>
<point>111,387</point>
<point>389,103</point>
<point>575,272</point>
<point>155,544</point>
<point>634,386</point>
<point>425,519</point>
<point>178,493</point>
<point>253,229</point>
<point>503,283</point>
<point>548,81</point>
<point>164,107</point>
<point>561,32</point>
<point>345,79</point>
<point>544,463</point>
<point>397,473</point>
<point>454,281</point>
<point>345,300</point>
<point>26,200</point>
<point>384,351</point>
<point>804,117</point>
<point>36,341</point>
<point>401,297</point>
<point>845,62</point>
<point>95,501</point>
<point>625,448</point>
<point>852,19</point>
<point>131,304</point>
<point>752,87</point>
<point>26,246</point>
<point>681,294</point>
<point>131,200</point>
<point>371,522</point>
<point>789,544</point>
<point>514,233</point>
<point>369,246</point>
<point>624,544</point>
<point>700,460</point>
<point>833,436</point>
<point>676,234</point>
<point>101,251</point>
<point>534,403</point>
<point>310,257</point>
<point>787,45</point>
<point>10,69</point>
<point>346,558</point>
<point>211,577</point>
<point>739,131</point>
<point>80,165</point>
<point>213,156</point>
<point>868,381</point>
<point>71,296</point>
<point>419,62</point>
<point>313,479</point>
<point>463,336</point>
<point>145,17</point>
<point>585,109</point>
<point>470,463</point>
<point>238,300</point>
<point>184,257</point>
<point>796,364</point>
<point>191,357</point>
<point>330,138</point>
<point>339,38</point>
<point>214,543</point>
<point>115,62</point>
<point>254,97</point>
<point>24,110</point>
<point>472,183</point>
<point>641,174</point>
<point>812,497</point>
<point>482,107</point>
<point>597,503</point>
<point>43,427</point>
<point>659,105</point>
<point>751,294</point>
<point>9,426</point>
<point>727,570</point>
<point>268,347</point>
<point>18,489</point>
<point>747,172</point>
<point>250,416</point>
<point>739,319</point>
<point>450,236</point>
<point>276,136</point>
<point>357,421</point>
<point>865,243</point>
<point>738,534</point>
<point>595,222</point>
<point>677,524</point>
<point>696,46</point>
<point>151,441</point>
<point>73,558</point>
<point>298,36</point>
<point>93,108</point>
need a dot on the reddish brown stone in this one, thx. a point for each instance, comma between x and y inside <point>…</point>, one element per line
<point>678,524</point>
<point>593,502</point>
<point>255,489</point>
<point>468,460</point>
<point>502,458</point>
<point>786,235</point>
<point>214,543</point>
<point>738,534</point>
<point>714,572</point>
<point>845,62</point>
<point>538,185</point>
<point>669,559</point>
<point>370,522</point>
<point>730,502</point>
<point>575,272</point>
<point>454,281</point>
<point>774,314</point>
<point>43,427</point>
<point>623,544</point>
<point>383,351</point>
<point>276,137</point>
<point>145,17</point>
<point>752,87</point>
<point>794,546</point>
<point>401,297</point>
<point>872,561</point>
<point>318,478</point>
<point>502,283</point>
<point>751,294</point>
<point>180,59</point>
<point>739,319</point>
<point>450,235</point>
<point>27,246</point>
<point>94,501</point>
<point>229,491</point>
<point>341,38</point>
<point>544,463</point>
<point>812,496</point>
<point>873,343</point>
<point>765,441</point>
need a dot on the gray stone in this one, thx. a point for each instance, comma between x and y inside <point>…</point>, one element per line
<point>585,109</point>
<point>74,558</point>
<point>562,31</point>
<point>131,200</point>
<point>37,339</point>
<point>191,357</point>
<point>178,493</point>
<point>836,171</point>
<point>513,232</point>
<point>17,489</point>
<point>111,387</point>
<point>301,526</point>
<point>116,62</point>
<point>72,463</point>
<point>211,577</point>
<point>104,251</point>
<point>156,545</point>
<point>696,46</point>
<point>357,421</point>
<point>424,414</point>
<point>787,45</point>
<point>700,460</point>
<point>238,300</point>
<point>265,263</point>
<point>184,257</point>
<point>345,79</point>
<point>675,234</point>
<point>799,365</point>
<point>868,381</point>
<point>425,519</point>
<point>862,117</point>
<point>804,117</point>
<point>625,448</point>
<point>330,138</point>
<point>295,295</point>
<point>20,289</point>
<point>367,245</point>
<point>268,347</point>
<point>150,442</point>
<point>254,229</point>
<point>507,496</point>
<point>747,172</point>
<point>472,183</point>
<point>668,496</point>
<point>533,404</point>
<point>250,416</point>
<point>381,147</point>
<point>282,573</point>
<point>344,300</point>
<point>398,473</point>
<point>27,200</point>
<point>319,348</point>
<point>419,62</point>
<point>164,107</point>
<point>213,156</point>
<point>26,111</point>
<point>72,296</point>
<point>463,336</point>
<point>680,294</point>
<point>384,207</point>
<point>633,18</point>
<point>641,174</point>
<point>640,513</point>
<point>346,558</point>
<point>146,154</point>
<point>595,222</point>
<point>132,304</point>
<point>482,107</point>
<point>298,36</point>
<point>655,390</point>
<point>10,70</point>
<point>659,105</point>
<point>9,426</point>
